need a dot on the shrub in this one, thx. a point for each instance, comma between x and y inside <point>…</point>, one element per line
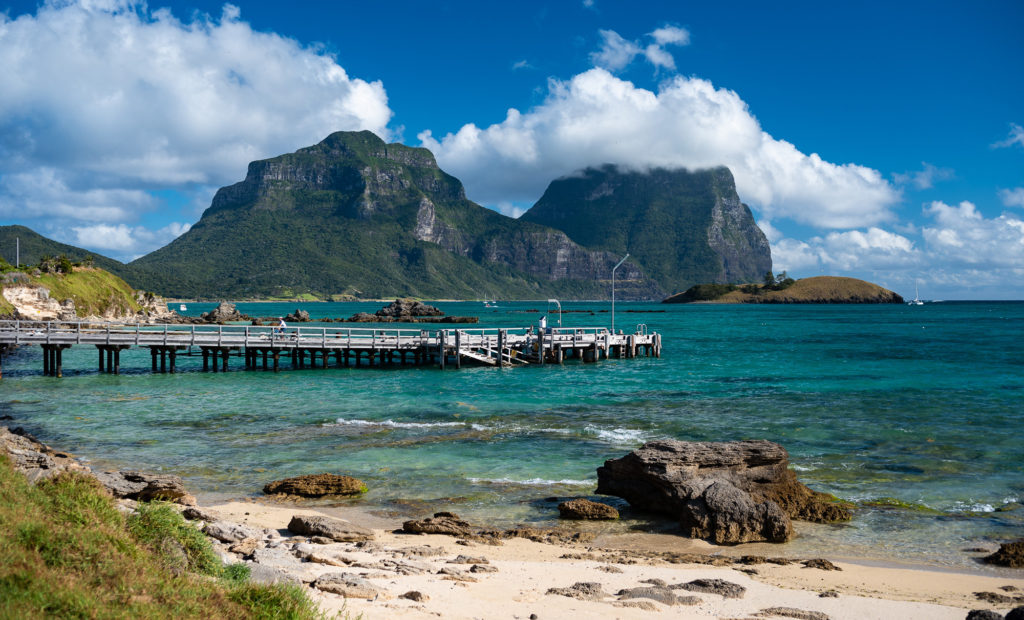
<point>707,292</point>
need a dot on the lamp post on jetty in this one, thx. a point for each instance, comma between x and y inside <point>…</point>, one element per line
<point>613,288</point>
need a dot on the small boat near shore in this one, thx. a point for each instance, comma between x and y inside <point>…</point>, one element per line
<point>916,301</point>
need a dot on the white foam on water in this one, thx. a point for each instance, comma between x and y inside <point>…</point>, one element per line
<point>393,424</point>
<point>975,507</point>
<point>617,436</point>
<point>531,481</point>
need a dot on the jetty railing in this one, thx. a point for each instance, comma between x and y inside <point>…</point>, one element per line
<point>485,345</point>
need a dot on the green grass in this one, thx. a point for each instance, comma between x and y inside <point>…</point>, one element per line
<point>94,291</point>
<point>69,553</point>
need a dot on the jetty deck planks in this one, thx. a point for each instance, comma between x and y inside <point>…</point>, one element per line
<point>499,347</point>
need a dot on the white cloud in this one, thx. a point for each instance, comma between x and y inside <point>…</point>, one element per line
<point>770,232</point>
<point>924,178</point>
<point>1013,197</point>
<point>657,56</point>
<point>41,192</point>
<point>962,236</point>
<point>521,64</point>
<point>596,118</point>
<point>123,239</point>
<point>1016,137</point>
<point>511,209</point>
<point>850,250</point>
<point>108,94</point>
<point>959,251</point>
<point>671,35</point>
<point>615,52</point>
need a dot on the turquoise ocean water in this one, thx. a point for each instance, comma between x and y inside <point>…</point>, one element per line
<point>919,408</point>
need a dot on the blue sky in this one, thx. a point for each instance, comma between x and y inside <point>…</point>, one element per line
<point>876,140</point>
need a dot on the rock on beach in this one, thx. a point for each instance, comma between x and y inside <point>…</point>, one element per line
<point>335,529</point>
<point>728,492</point>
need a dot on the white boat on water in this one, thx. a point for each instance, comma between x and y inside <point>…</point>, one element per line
<point>182,308</point>
<point>915,301</point>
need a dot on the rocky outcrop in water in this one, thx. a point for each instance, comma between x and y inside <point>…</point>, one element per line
<point>299,316</point>
<point>408,308</point>
<point>225,312</point>
<point>316,485</point>
<point>729,493</point>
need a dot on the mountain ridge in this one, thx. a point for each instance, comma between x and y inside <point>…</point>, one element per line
<point>355,217</point>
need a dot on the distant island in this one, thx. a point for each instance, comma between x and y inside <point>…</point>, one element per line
<point>784,290</point>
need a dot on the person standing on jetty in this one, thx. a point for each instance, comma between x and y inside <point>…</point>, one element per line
<point>281,326</point>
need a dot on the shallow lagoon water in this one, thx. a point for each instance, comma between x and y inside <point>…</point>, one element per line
<point>915,406</point>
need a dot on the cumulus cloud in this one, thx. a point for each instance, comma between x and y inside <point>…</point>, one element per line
<point>959,249</point>
<point>1013,197</point>
<point>597,118</point>
<point>43,192</point>
<point>108,94</point>
<point>1016,137</point>
<point>961,235</point>
<point>924,178</point>
<point>873,248</point>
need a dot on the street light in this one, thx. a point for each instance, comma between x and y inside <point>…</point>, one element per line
<point>613,288</point>
<point>555,301</point>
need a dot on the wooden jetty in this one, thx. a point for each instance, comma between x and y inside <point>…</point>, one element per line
<point>313,347</point>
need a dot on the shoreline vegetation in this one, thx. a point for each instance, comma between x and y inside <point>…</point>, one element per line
<point>140,557</point>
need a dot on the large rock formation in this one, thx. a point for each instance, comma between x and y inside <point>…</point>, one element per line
<point>681,227</point>
<point>354,215</point>
<point>726,492</point>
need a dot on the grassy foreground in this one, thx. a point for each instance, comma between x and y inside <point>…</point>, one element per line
<point>69,553</point>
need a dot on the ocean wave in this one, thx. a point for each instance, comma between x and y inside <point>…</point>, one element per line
<point>531,482</point>
<point>615,436</point>
<point>393,424</point>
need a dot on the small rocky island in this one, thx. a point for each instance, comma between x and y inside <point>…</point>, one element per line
<point>785,290</point>
<point>409,311</point>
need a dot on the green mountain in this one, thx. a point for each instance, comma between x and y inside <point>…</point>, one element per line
<point>34,246</point>
<point>680,227</point>
<point>353,215</point>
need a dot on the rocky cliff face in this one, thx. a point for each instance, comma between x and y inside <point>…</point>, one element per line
<point>680,227</point>
<point>355,215</point>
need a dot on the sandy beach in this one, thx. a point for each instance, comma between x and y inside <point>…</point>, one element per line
<point>513,579</point>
